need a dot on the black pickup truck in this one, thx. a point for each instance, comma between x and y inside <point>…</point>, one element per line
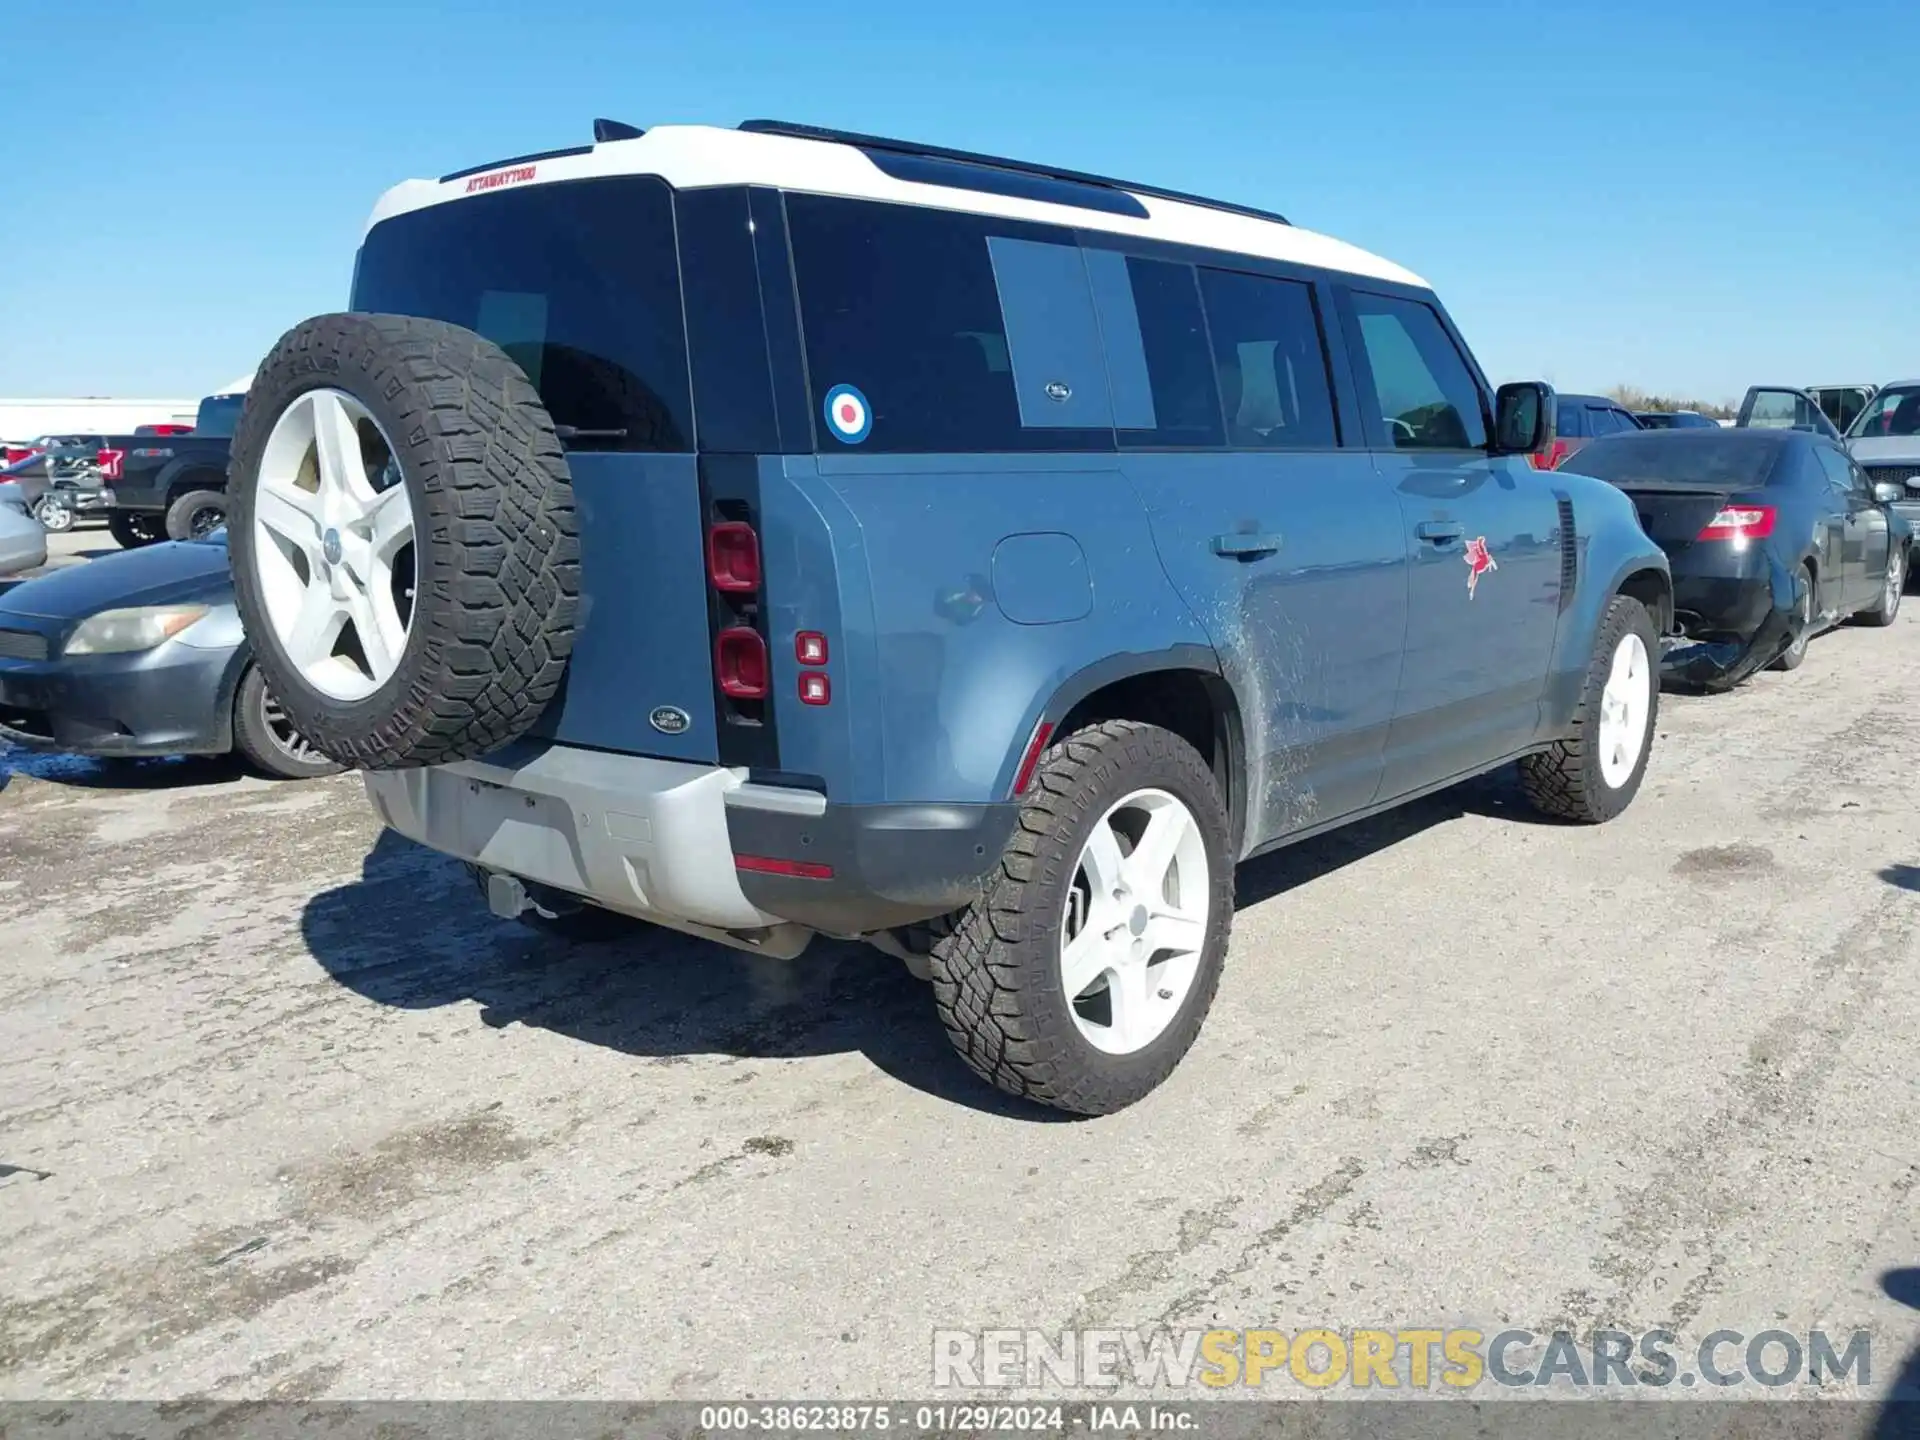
<point>170,487</point>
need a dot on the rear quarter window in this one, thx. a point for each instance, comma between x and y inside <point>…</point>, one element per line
<point>578,282</point>
<point>962,334</point>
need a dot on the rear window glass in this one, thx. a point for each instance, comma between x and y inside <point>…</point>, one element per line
<point>1729,460</point>
<point>578,282</point>
<point>218,415</point>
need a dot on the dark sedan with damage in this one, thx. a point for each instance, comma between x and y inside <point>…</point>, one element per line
<point>141,653</point>
<point>1773,536</point>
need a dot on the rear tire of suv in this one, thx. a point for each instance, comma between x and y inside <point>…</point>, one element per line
<point>1082,975</point>
<point>1594,773</point>
<point>131,529</point>
<point>443,480</point>
<point>196,513</point>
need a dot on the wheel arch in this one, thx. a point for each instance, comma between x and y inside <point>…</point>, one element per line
<point>188,476</point>
<point>1653,588</point>
<point>228,697</point>
<point>1181,690</point>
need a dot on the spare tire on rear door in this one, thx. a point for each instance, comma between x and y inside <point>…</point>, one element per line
<point>401,525</point>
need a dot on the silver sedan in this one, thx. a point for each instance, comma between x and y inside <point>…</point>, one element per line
<point>23,542</point>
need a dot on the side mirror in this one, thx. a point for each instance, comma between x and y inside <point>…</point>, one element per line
<point>1885,492</point>
<point>1525,418</point>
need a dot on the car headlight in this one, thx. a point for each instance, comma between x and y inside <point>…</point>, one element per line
<point>119,632</point>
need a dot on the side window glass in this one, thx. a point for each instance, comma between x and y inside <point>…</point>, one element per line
<point>902,310</point>
<point>1423,389</point>
<point>1839,472</point>
<point>1624,423</point>
<point>1600,421</point>
<point>1052,339</point>
<point>1270,362</point>
<point>1159,364</point>
<point>1572,421</point>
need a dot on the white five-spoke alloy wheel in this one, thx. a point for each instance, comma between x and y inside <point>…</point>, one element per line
<point>331,518</point>
<point>1624,706</point>
<point>1136,922</point>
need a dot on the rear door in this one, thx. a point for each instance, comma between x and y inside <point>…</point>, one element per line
<point>1865,534</point>
<point>1285,541</point>
<point>1781,407</point>
<point>1482,539</point>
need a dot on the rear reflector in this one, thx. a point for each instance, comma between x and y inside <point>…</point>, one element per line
<point>740,662</point>
<point>1550,458</point>
<point>1740,522</point>
<point>733,557</point>
<point>1032,758</point>
<point>798,869</point>
<point>810,647</point>
<point>815,688</point>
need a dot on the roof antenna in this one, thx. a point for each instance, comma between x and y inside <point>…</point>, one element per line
<point>604,130</point>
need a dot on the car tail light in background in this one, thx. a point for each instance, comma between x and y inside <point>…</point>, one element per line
<point>109,463</point>
<point>740,663</point>
<point>1551,457</point>
<point>733,557</point>
<point>1740,522</point>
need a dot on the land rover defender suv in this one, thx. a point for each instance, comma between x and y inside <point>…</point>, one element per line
<point>776,533</point>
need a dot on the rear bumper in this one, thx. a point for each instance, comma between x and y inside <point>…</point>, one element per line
<point>1710,607</point>
<point>659,839</point>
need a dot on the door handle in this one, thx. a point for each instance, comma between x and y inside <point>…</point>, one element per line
<point>1439,532</point>
<point>1245,547</point>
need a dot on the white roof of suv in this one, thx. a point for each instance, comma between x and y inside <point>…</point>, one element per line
<point>696,156</point>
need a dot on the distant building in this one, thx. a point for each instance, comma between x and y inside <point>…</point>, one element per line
<point>89,415</point>
<point>98,415</point>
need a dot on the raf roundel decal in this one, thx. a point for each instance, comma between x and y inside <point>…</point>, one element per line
<point>848,415</point>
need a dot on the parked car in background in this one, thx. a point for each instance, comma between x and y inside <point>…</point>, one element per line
<point>171,486</point>
<point>141,654</point>
<point>1781,407</point>
<point>60,477</point>
<point>1885,439</point>
<point>1773,535</point>
<point>1204,534</point>
<point>1842,404</point>
<point>1675,420</point>
<point>1584,418</point>
<point>23,540</point>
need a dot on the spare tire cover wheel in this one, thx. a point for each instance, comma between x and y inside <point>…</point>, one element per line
<point>403,540</point>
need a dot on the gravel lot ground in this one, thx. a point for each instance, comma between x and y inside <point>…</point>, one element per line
<point>284,1112</point>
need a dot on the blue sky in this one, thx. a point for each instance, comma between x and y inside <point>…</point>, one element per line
<point>1691,197</point>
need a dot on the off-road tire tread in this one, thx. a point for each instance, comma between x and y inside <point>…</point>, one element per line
<point>497,551</point>
<point>984,965</point>
<point>1563,781</point>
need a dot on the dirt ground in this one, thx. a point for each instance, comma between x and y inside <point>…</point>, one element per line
<point>284,1112</point>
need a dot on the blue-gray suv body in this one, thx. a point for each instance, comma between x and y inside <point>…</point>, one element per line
<point>771,533</point>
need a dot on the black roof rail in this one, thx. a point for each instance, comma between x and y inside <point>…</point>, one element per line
<point>1022,167</point>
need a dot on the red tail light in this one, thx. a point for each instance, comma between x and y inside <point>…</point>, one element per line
<point>740,661</point>
<point>768,865</point>
<point>109,463</point>
<point>1550,458</point>
<point>1740,522</point>
<point>733,557</point>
